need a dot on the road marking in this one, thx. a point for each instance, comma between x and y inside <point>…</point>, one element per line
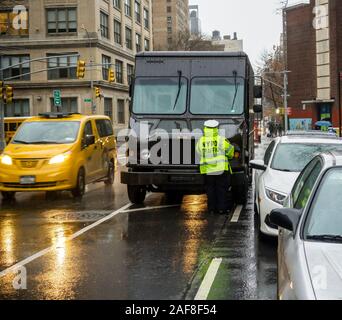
<point>39,254</point>
<point>150,208</point>
<point>236,214</point>
<point>208,280</point>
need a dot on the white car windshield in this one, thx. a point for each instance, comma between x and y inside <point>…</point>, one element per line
<point>49,132</point>
<point>293,157</point>
<point>325,218</point>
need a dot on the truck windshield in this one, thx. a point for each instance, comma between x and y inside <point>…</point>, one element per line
<point>49,132</point>
<point>160,95</point>
<point>217,96</point>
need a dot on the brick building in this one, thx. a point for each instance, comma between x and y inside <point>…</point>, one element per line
<point>314,57</point>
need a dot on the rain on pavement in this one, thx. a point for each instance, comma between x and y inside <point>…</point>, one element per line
<point>161,250</point>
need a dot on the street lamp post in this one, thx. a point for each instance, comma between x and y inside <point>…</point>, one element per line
<point>339,103</point>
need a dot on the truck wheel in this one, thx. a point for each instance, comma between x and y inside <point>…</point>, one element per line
<point>8,195</point>
<point>110,175</point>
<point>136,194</point>
<point>79,191</point>
<point>240,193</point>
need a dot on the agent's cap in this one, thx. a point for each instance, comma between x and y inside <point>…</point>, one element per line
<point>211,124</point>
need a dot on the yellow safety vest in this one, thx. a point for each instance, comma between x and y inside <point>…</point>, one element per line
<point>215,152</point>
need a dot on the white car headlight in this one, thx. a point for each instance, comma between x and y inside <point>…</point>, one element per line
<point>59,158</point>
<point>6,160</point>
<point>275,196</point>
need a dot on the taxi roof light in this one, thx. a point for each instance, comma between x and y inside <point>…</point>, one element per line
<point>56,115</point>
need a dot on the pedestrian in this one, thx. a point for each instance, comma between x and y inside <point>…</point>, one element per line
<point>215,152</point>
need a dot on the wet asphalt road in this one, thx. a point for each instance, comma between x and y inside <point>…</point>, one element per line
<point>161,250</point>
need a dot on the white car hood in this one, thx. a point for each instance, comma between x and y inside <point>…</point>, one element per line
<point>324,262</point>
<point>280,181</point>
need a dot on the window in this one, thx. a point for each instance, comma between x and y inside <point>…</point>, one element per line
<point>17,71</point>
<point>104,25</point>
<point>146,18</point>
<point>117,4</point>
<point>268,153</point>
<point>88,131</point>
<point>6,24</point>
<point>19,108</point>
<point>61,20</point>
<point>138,42</point>
<point>67,72</point>
<point>118,71</point>
<point>69,105</point>
<point>147,44</point>
<point>137,8</point>
<point>309,179</point>
<point>117,32</point>
<point>108,108</point>
<point>104,128</point>
<point>128,8</point>
<point>130,73</point>
<point>168,9</point>
<point>129,38</point>
<point>121,112</point>
<point>106,64</point>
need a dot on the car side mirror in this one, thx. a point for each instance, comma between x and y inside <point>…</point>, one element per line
<point>258,91</point>
<point>258,165</point>
<point>89,140</point>
<point>257,108</point>
<point>285,218</point>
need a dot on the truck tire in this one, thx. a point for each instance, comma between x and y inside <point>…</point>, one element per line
<point>136,194</point>
<point>240,193</point>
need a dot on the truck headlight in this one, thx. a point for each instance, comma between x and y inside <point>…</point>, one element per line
<point>6,160</point>
<point>275,196</point>
<point>59,158</point>
<point>145,154</point>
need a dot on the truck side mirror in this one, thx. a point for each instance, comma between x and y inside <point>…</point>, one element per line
<point>257,108</point>
<point>258,92</point>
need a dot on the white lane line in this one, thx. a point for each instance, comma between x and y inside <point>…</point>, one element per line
<point>208,280</point>
<point>150,208</point>
<point>39,254</point>
<point>236,214</point>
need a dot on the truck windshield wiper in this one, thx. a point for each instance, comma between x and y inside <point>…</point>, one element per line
<point>326,237</point>
<point>236,90</point>
<point>179,88</point>
<point>21,142</point>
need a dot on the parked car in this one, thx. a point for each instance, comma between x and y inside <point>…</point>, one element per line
<point>310,237</point>
<point>284,159</point>
<point>58,151</point>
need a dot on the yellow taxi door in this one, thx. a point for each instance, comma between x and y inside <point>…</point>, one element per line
<point>89,152</point>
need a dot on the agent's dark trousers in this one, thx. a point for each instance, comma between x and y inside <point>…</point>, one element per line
<point>217,187</point>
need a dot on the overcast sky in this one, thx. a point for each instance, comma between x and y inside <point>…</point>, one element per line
<point>255,21</point>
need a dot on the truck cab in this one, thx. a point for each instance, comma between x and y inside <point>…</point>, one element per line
<point>172,95</point>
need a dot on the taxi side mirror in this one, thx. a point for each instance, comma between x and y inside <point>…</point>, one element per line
<point>89,140</point>
<point>285,218</point>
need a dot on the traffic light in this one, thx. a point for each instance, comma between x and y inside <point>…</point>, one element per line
<point>111,75</point>
<point>97,92</point>
<point>81,66</point>
<point>8,94</point>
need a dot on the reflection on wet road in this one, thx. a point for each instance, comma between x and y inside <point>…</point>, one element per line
<point>157,251</point>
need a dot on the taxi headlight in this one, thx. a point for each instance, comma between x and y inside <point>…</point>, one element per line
<point>275,196</point>
<point>59,158</point>
<point>6,160</point>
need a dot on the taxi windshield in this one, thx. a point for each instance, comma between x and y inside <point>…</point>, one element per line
<point>49,132</point>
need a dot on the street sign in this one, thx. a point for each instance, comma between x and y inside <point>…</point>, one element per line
<point>57,100</point>
<point>87,100</point>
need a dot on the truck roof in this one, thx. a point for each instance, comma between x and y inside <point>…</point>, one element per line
<point>191,54</point>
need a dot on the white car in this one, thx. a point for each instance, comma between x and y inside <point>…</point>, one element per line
<point>284,159</point>
<point>310,237</point>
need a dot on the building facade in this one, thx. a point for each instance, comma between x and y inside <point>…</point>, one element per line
<point>314,59</point>
<point>194,20</point>
<point>170,21</point>
<point>103,33</point>
<point>228,43</point>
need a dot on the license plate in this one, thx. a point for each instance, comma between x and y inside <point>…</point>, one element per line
<point>28,180</point>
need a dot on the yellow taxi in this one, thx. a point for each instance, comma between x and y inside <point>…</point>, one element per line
<point>57,151</point>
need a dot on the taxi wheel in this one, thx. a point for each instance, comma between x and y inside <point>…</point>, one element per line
<point>79,191</point>
<point>111,175</point>
<point>7,195</point>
